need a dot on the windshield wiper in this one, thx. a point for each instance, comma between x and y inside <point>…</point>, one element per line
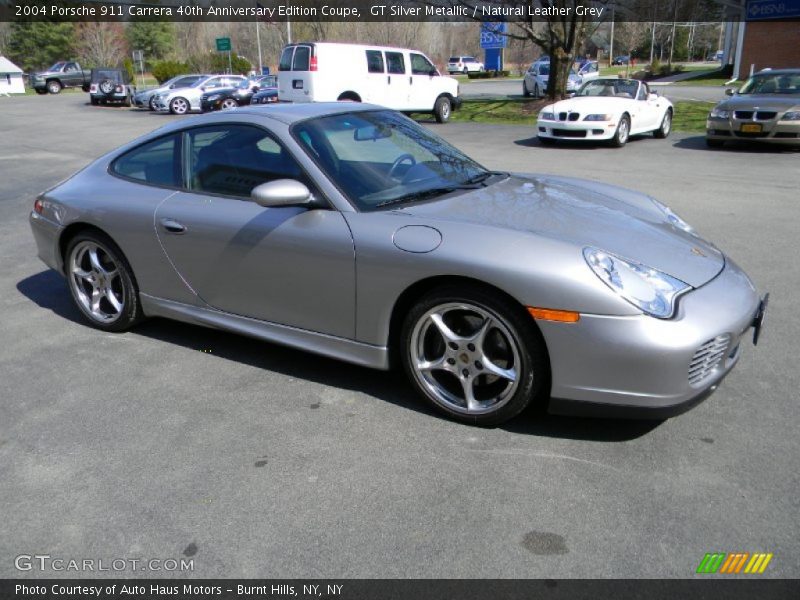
<point>481,177</point>
<point>429,193</point>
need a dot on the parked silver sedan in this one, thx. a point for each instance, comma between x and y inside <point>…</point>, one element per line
<point>353,232</point>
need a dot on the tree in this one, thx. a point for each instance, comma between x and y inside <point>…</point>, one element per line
<point>35,46</point>
<point>100,44</point>
<point>558,36</point>
<point>156,39</point>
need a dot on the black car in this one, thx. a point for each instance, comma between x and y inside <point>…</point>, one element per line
<point>621,60</point>
<point>265,96</point>
<point>241,95</point>
<point>111,85</point>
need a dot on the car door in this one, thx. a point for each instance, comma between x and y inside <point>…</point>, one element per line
<point>399,86</point>
<point>286,265</point>
<point>647,113</point>
<point>72,74</point>
<point>378,82</point>
<point>423,82</point>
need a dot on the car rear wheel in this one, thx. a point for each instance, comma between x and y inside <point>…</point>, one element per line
<point>536,90</point>
<point>152,103</point>
<point>666,126</point>
<point>442,109</point>
<point>228,104</point>
<point>474,355</point>
<point>179,106</point>
<point>41,91</point>
<point>94,101</point>
<point>525,91</point>
<point>623,132</point>
<point>101,282</point>
<point>54,87</point>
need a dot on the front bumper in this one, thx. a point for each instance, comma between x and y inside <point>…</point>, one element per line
<point>640,366</point>
<point>576,130</point>
<point>771,131</point>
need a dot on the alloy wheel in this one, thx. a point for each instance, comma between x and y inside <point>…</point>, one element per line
<point>95,278</point>
<point>465,358</point>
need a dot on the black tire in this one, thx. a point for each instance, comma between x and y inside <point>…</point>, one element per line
<point>348,97</point>
<point>131,311</point>
<point>666,126</point>
<point>714,143</point>
<point>127,102</point>
<point>622,133</point>
<point>442,109</point>
<point>94,101</point>
<point>525,91</point>
<point>41,91</point>
<point>533,370</point>
<point>85,87</point>
<point>536,93</point>
<point>152,103</point>
<point>54,87</point>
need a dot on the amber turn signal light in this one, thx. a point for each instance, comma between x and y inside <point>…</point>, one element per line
<point>550,314</point>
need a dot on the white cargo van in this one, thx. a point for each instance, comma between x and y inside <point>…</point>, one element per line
<point>397,78</point>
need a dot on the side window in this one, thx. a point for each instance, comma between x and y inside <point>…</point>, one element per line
<point>233,159</point>
<point>642,95</point>
<point>302,58</point>
<point>286,59</point>
<point>71,67</point>
<point>375,61</point>
<point>421,65</point>
<point>395,62</point>
<point>157,162</point>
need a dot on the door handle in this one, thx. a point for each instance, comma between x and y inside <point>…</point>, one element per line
<point>410,81</point>
<point>172,226</point>
<point>389,79</point>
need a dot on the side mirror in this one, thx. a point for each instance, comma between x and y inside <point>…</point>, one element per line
<point>652,96</point>
<point>281,192</point>
<point>730,91</point>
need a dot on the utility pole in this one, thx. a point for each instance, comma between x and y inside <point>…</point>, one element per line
<point>611,44</point>
<point>258,41</point>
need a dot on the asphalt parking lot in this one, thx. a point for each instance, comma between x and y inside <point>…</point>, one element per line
<point>174,441</point>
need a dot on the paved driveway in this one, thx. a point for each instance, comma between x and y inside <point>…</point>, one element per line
<point>173,441</point>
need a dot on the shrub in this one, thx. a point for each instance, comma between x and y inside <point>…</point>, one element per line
<point>167,69</point>
<point>127,64</point>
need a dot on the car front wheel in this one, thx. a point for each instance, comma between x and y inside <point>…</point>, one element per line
<point>442,109</point>
<point>54,87</point>
<point>101,282</point>
<point>474,355</point>
<point>623,132</point>
<point>229,103</point>
<point>178,106</point>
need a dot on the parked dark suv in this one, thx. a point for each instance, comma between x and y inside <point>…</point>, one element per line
<point>111,85</point>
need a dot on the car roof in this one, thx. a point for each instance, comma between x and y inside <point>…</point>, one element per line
<point>778,72</point>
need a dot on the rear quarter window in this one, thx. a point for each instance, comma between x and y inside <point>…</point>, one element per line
<point>155,163</point>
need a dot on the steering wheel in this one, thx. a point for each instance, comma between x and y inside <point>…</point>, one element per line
<point>399,161</point>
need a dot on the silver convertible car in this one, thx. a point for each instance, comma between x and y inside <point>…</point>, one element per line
<point>351,231</point>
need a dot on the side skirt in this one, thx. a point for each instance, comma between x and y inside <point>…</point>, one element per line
<point>367,355</point>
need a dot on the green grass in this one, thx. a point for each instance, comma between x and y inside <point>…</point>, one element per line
<point>690,116</point>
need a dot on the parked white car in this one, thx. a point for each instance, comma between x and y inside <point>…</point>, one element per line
<point>535,81</point>
<point>464,64</point>
<point>180,101</point>
<point>144,98</point>
<point>606,109</point>
<point>398,78</point>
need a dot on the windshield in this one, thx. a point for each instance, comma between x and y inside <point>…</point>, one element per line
<point>382,157</point>
<point>57,66</point>
<point>619,88</point>
<point>772,83</point>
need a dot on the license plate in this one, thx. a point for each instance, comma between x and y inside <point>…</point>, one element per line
<point>751,128</point>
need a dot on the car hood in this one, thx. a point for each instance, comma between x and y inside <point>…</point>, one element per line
<point>775,102</point>
<point>583,213</point>
<point>582,104</point>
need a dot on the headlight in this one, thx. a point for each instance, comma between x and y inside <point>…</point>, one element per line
<point>649,290</point>
<point>792,115</point>
<point>672,217</point>
<point>717,113</point>
<point>547,116</point>
<point>598,117</point>
<point>214,97</point>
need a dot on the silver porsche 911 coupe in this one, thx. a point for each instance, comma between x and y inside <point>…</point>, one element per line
<point>351,231</point>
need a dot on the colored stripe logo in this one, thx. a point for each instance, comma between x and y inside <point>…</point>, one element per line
<point>734,563</point>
